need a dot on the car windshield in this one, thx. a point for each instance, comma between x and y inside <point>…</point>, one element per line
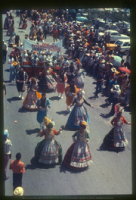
<point>118,42</point>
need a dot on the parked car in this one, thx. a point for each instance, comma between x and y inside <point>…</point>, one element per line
<point>115,35</point>
<point>124,45</point>
<point>81,19</point>
<point>112,27</point>
<point>128,31</point>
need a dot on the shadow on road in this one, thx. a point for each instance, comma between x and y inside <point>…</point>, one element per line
<point>7,81</point>
<point>13,99</point>
<point>93,97</point>
<point>22,110</point>
<point>106,115</point>
<point>34,165</point>
<point>127,109</point>
<point>64,112</point>
<point>7,70</point>
<point>29,132</point>
<point>102,148</point>
<point>94,83</point>
<point>54,98</point>
<point>105,105</point>
<point>66,128</point>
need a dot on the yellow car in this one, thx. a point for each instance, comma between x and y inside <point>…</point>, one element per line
<point>111,46</point>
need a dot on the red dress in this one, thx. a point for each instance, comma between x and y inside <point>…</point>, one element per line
<point>61,85</point>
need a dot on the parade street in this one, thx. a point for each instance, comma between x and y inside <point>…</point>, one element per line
<point>109,174</point>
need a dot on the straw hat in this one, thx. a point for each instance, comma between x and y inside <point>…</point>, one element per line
<point>113,69</point>
<point>84,123</point>
<point>19,191</point>
<point>15,63</point>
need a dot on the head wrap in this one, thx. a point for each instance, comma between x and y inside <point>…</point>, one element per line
<point>6,134</point>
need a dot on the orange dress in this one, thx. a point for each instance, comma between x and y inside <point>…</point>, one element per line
<point>69,95</point>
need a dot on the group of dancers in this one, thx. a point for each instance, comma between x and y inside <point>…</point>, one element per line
<point>78,155</point>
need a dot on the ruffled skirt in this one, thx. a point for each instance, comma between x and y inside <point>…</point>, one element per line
<point>78,156</point>
<point>48,152</point>
<point>78,114</point>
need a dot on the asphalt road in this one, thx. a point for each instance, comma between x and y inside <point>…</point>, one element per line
<point>110,172</point>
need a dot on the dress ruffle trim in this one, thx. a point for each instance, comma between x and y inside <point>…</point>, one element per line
<point>80,165</point>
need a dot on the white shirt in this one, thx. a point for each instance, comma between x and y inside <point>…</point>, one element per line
<point>11,60</point>
<point>116,93</point>
<point>7,146</point>
<point>5,46</point>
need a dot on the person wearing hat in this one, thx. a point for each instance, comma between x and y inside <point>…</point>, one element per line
<point>7,152</point>
<point>116,140</point>
<point>116,92</point>
<point>49,151</point>
<point>18,169</point>
<point>78,155</point>
<point>42,105</point>
<point>21,80</point>
<point>19,191</point>
<point>79,111</point>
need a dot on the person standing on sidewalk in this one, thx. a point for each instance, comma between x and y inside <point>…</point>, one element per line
<point>5,49</point>
<point>18,169</point>
<point>7,152</point>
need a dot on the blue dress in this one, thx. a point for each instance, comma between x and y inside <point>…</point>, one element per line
<point>78,114</point>
<point>43,112</point>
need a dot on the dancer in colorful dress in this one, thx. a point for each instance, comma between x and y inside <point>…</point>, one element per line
<point>70,92</point>
<point>79,112</point>
<point>47,81</point>
<point>79,77</point>
<point>42,105</point>
<point>116,139</point>
<point>49,151</point>
<point>51,82</point>
<point>78,155</point>
<point>61,80</point>
<point>32,96</point>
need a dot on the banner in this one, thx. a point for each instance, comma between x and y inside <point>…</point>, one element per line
<point>40,46</point>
